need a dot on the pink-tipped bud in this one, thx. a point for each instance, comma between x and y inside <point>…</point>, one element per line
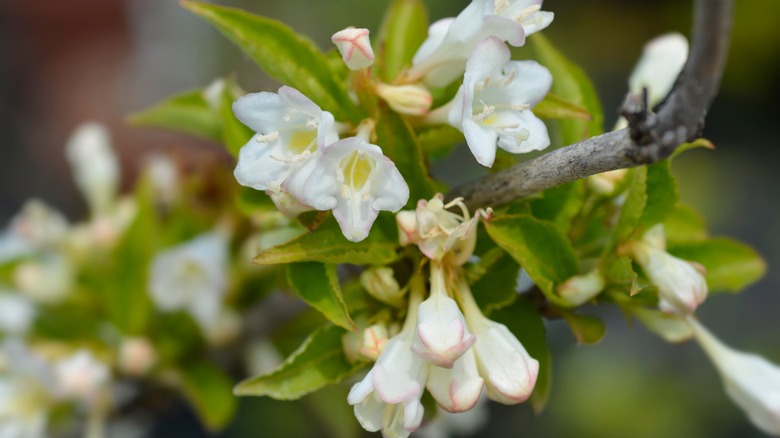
<point>355,47</point>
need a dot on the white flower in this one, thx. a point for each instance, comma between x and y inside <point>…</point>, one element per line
<point>47,279</point>
<point>750,380</point>
<point>509,371</point>
<point>663,58</point>
<point>442,335</point>
<point>95,166</point>
<point>81,376</point>
<point>440,234</point>
<point>457,424</point>
<point>164,175</point>
<point>493,106</point>
<point>456,389</point>
<point>137,356</point>
<point>355,47</point>
<point>681,284</point>
<point>356,181</point>
<point>291,131</point>
<point>442,56</point>
<point>24,396</point>
<point>413,99</point>
<point>580,289</point>
<point>17,313</point>
<point>37,226</point>
<point>192,276</point>
<point>388,397</point>
<point>374,340</point>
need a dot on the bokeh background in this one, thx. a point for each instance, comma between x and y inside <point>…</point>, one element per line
<point>62,63</point>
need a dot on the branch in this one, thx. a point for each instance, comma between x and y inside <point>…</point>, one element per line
<point>679,119</point>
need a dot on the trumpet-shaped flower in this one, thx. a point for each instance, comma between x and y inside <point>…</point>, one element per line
<point>356,181</point>
<point>291,131</point>
<point>355,47</point>
<point>25,393</point>
<point>192,276</point>
<point>81,376</point>
<point>442,335</point>
<point>509,371</point>
<point>439,233</point>
<point>681,284</point>
<point>456,389</point>
<point>37,226</point>
<point>493,106</point>
<point>442,56</point>
<point>750,380</point>
<point>95,166</point>
<point>388,397</point>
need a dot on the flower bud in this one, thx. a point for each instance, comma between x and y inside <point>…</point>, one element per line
<point>605,183</point>
<point>374,340</point>
<point>95,166</point>
<point>355,47</point>
<point>81,376</point>
<point>45,281</point>
<point>16,313</point>
<point>382,285</point>
<point>136,356</point>
<point>413,100</point>
<point>407,227</point>
<point>580,289</point>
<point>752,382</point>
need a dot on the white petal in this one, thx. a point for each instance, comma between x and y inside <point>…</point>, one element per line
<point>662,61</point>
<point>532,84</point>
<point>257,169</point>
<point>398,375</point>
<point>530,125</point>
<point>488,57</point>
<point>298,101</point>
<point>482,142</point>
<point>370,412</point>
<point>258,111</point>
<point>436,33</point>
<point>456,389</point>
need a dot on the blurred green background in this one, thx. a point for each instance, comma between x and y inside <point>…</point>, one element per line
<point>65,62</point>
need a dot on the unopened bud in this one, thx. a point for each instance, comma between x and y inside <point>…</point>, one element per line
<point>374,340</point>
<point>136,356</point>
<point>81,376</point>
<point>355,47</point>
<point>407,227</point>
<point>413,100</point>
<point>606,183</point>
<point>382,285</point>
<point>580,289</point>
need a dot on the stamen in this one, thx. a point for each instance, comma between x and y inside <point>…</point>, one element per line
<point>481,85</point>
<point>509,78</point>
<point>524,13</point>
<point>265,138</point>
<point>312,124</point>
<point>501,5</point>
<point>520,106</point>
<point>487,110</point>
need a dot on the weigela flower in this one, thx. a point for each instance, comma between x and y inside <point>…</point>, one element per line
<point>95,166</point>
<point>81,376</point>
<point>456,389</point>
<point>509,371</point>
<point>493,106</point>
<point>137,356</point>
<point>355,47</point>
<point>291,132</point>
<point>750,380</point>
<point>439,233</point>
<point>413,99</point>
<point>388,397</point>
<point>192,276</point>
<point>442,56</point>
<point>442,335</point>
<point>25,392</point>
<point>681,284</point>
<point>355,180</point>
<point>37,226</point>
<point>17,313</point>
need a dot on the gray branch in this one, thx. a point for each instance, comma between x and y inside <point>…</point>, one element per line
<point>650,137</point>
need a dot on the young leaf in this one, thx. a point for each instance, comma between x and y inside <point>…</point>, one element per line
<point>698,143</point>
<point>283,54</point>
<point>661,194</point>
<point>318,285</point>
<point>560,204</point>
<point>438,141</point>
<point>234,133</point>
<point>399,143</point>
<point>497,286</point>
<point>633,207</point>
<point>538,246</point>
<point>556,107</point>
<point>188,112</point>
<point>587,329</point>
<point>522,319</point>
<point>731,265</point>
<point>209,391</point>
<point>403,30</point>
<point>571,84</point>
<point>326,244</point>
<point>319,361</point>
<point>685,225</point>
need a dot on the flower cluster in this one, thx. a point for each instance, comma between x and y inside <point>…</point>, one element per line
<point>446,345</point>
<point>301,159</point>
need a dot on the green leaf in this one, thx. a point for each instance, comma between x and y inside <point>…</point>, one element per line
<point>560,204</point>
<point>731,265</point>
<point>326,244</point>
<point>633,207</point>
<point>318,285</point>
<point>556,107</point>
<point>538,246</point>
<point>496,286</point>
<point>319,361</point>
<point>209,391</point>
<point>698,143</point>
<point>571,84</point>
<point>286,56</point>
<point>234,133</point>
<point>522,319</point>
<point>587,329</point>
<point>403,30</point>
<point>685,225</point>
<point>661,194</point>
<point>438,141</point>
<point>188,112</point>
<point>399,143</point>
